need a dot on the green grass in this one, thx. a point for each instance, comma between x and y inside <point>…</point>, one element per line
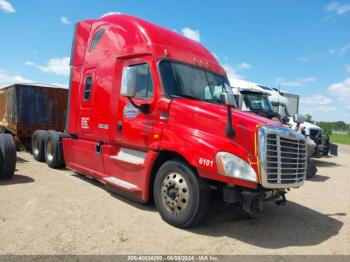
<point>340,139</point>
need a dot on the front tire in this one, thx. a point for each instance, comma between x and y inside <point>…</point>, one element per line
<point>181,197</point>
<point>311,169</point>
<point>8,156</point>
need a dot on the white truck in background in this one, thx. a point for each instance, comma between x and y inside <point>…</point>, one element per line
<point>254,99</point>
<point>286,105</point>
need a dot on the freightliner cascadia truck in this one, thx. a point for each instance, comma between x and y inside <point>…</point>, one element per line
<point>151,115</point>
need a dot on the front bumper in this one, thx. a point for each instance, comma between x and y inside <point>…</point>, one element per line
<point>252,201</point>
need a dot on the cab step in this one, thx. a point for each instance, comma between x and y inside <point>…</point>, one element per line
<point>130,156</point>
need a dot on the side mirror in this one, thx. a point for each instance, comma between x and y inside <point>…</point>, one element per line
<point>228,99</point>
<point>128,87</point>
<point>299,119</point>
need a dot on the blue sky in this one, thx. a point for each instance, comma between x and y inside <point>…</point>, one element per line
<point>301,46</point>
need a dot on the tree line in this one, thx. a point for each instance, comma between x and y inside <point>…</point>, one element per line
<point>328,127</point>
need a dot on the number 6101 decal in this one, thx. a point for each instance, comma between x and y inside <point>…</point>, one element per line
<point>206,162</point>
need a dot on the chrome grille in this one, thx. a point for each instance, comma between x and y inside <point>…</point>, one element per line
<point>282,157</point>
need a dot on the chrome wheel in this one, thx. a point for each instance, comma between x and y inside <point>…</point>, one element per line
<point>49,150</point>
<point>174,193</point>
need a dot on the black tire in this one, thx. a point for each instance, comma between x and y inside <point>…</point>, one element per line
<point>38,145</point>
<point>311,169</point>
<point>197,198</point>
<point>53,150</point>
<point>8,156</point>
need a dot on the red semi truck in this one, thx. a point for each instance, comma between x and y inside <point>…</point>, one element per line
<point>151,115</point>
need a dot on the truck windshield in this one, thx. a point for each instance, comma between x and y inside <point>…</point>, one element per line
<point>281,109</point>
<point>257,101</point>
<point>181,80</point>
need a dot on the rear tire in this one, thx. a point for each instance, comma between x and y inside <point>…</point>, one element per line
<point>8,156</point>
<point>38,145</point>
<point>53,150</point>
<point>181,197</point>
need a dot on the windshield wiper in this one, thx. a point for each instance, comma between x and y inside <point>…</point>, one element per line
<point>183,96</point>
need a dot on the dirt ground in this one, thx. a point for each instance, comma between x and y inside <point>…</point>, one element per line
<point>45,211</point>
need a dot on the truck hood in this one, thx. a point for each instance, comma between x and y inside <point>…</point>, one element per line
<point>306,125</point>
<point>209,121</point>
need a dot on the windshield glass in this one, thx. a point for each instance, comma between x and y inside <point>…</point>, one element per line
<point>284,111</point>
<point>257,101</point>
<point>280,109</point>
<point>181,80</point>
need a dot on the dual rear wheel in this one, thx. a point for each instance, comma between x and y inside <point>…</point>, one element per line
<point>46,147</point>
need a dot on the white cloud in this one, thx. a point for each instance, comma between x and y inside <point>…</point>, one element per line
<point>305,59</point>
<point>7,7</point>
<point>232,71</point>
<point>317,104</point>
<point>65,20</point>
<point>7,79</point>
<point>111,13</point>
<point>316,99</point>
<point>191,33</point>
<point>312,56</point>
<point>232,74</point>
<point>338,8</point>
<point>295,83</point>
<point>318,55</point>
<point>341,90</point>
<point>340,51</point>
<point>57,66</point>
<point>244,65</point>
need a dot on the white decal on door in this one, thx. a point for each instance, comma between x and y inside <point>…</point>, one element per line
<point>130,112</point>
<point>85,122</point>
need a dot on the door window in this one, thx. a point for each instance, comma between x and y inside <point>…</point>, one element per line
<point>144,84</point>
<point>87,88</point>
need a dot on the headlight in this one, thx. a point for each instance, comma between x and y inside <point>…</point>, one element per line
<point>233,166</point>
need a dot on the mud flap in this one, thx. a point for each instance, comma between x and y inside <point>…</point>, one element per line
<point>333,149</point>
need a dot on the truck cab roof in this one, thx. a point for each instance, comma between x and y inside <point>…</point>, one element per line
<point>127,36</point>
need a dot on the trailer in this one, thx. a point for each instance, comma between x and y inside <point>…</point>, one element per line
<point>293,102</point>
<point>25,108</point>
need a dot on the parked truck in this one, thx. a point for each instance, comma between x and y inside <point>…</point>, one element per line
<point>286,104</point>
<point>252,98</point>
<point>25,108</point>
<point>151,115</point>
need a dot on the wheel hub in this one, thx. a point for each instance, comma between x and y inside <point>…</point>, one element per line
<point>175,193</point>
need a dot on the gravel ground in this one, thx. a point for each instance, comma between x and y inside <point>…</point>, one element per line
<point>45,211</point>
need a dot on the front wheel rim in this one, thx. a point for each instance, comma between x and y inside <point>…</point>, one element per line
<point>174,193</point>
